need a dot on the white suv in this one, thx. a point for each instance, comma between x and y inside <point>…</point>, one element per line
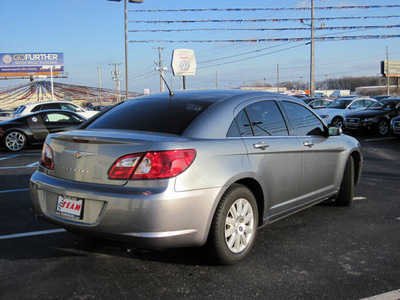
<point>65,105</point>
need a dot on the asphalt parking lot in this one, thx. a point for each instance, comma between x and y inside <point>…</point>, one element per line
<point>325,252</point>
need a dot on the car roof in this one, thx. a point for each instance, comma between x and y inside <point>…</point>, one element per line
<point>46,102</point>
<point>214,95</point>
<point>223,100</point>
<point>50,111</point>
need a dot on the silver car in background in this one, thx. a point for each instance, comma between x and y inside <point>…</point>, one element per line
<point>193,168</point>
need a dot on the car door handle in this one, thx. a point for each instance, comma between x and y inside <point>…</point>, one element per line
<point>260,145</point>
<point>308,144</point>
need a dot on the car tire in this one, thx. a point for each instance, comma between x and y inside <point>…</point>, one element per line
<point>234,226</point>
<point>14,141</point>
<point>383,127</point>
<point>346,192</point>
<point>337,121</point>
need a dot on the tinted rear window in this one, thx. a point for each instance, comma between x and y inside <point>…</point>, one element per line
<point>154,115</point>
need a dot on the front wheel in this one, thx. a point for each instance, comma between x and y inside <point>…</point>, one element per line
<point>383,127</point>
<point>337,121</point>
<point>346,192</point>
<point>15,141</point>
<point>234,227</point>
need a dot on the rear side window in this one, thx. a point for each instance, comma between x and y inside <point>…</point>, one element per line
<point>51,106</point>
<point>153,115</point>
<point>36,108</point>
<point>265,120</point>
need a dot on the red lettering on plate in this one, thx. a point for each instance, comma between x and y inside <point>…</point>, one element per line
<point>77,207</point>
<point>68,205</point>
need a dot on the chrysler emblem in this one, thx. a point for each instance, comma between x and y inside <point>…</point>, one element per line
<point>79,154</point>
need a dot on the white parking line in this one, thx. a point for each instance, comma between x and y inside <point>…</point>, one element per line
<point>393,295</point>
<point>8,157</point>
<point>18,235</point>
<point>359,198</point>
<point>13,191</point>
<point>380,139</point>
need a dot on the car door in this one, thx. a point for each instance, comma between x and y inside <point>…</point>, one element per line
<point>37,126</point>
<point>274,155</point>
<point>321,154</point>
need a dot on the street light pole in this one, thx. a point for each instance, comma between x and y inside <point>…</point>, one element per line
<point>126,49</point>
<point>126,40</point>
<point>312,82</point>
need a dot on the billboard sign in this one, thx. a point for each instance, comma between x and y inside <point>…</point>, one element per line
<point>394,68</point>
<point>30,64</point>
<point>183,62</point>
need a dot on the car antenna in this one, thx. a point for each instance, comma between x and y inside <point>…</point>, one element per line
<point>171,93</point>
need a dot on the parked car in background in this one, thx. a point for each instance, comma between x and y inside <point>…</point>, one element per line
<point>5,115</point>
<point>320,103</point>
<point>64,105</point>
<point>377,117</point>
<point>336,112</point>
<point>18,133</point>
<point>395,125</point>
<point>193,168</point>
<point>381,97</point>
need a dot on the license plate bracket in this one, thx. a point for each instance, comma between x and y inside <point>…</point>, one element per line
<point>70,207</point>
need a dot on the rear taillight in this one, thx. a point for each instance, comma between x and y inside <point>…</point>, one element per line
<point>152,165</point>
<point>46,159</point>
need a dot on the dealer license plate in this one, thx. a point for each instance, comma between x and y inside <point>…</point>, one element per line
<point>70,207</point>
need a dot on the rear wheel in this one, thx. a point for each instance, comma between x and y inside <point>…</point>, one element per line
<point>234,226</point>
<point>383,127</point>
<point>346,192</point>
<point>15,141</point>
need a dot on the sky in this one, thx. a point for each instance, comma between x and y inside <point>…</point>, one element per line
<point>90,34</point>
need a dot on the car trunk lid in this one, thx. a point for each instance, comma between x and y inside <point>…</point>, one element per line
<point>87,156</point>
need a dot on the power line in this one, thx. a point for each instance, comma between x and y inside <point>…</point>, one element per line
<point>268,29</point>
<point>265,9</point>
<point>323,38</point>
<point>259,20</point>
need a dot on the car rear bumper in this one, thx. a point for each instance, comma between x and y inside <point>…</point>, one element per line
<point>150,217</point>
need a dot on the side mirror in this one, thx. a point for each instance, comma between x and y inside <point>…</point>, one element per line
<point>335,130</point>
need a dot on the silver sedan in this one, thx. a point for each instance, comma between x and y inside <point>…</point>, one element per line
<point>196,168</point>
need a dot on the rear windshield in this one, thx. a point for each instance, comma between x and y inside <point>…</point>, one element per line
<point>154,115</point>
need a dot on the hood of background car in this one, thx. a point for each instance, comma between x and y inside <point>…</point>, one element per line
<point>367,113</point>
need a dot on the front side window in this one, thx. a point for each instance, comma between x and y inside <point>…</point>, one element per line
<point>304,122</point>
<point>60,117</point>
<point>67,106</point>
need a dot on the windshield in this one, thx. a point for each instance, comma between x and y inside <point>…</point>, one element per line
<point>385,105</point>
<point>340,104</point>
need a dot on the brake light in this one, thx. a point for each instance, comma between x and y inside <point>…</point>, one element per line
<point>46,159</point>
<point>124,167</point>
<point>152,165</point>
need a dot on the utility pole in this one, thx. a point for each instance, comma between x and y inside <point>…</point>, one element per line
<point>98,69</point>
<point>117,80</point>
<point>277,76</point>
<point>387,72</point>
<point>312,82</point>
<point>160,67</point>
